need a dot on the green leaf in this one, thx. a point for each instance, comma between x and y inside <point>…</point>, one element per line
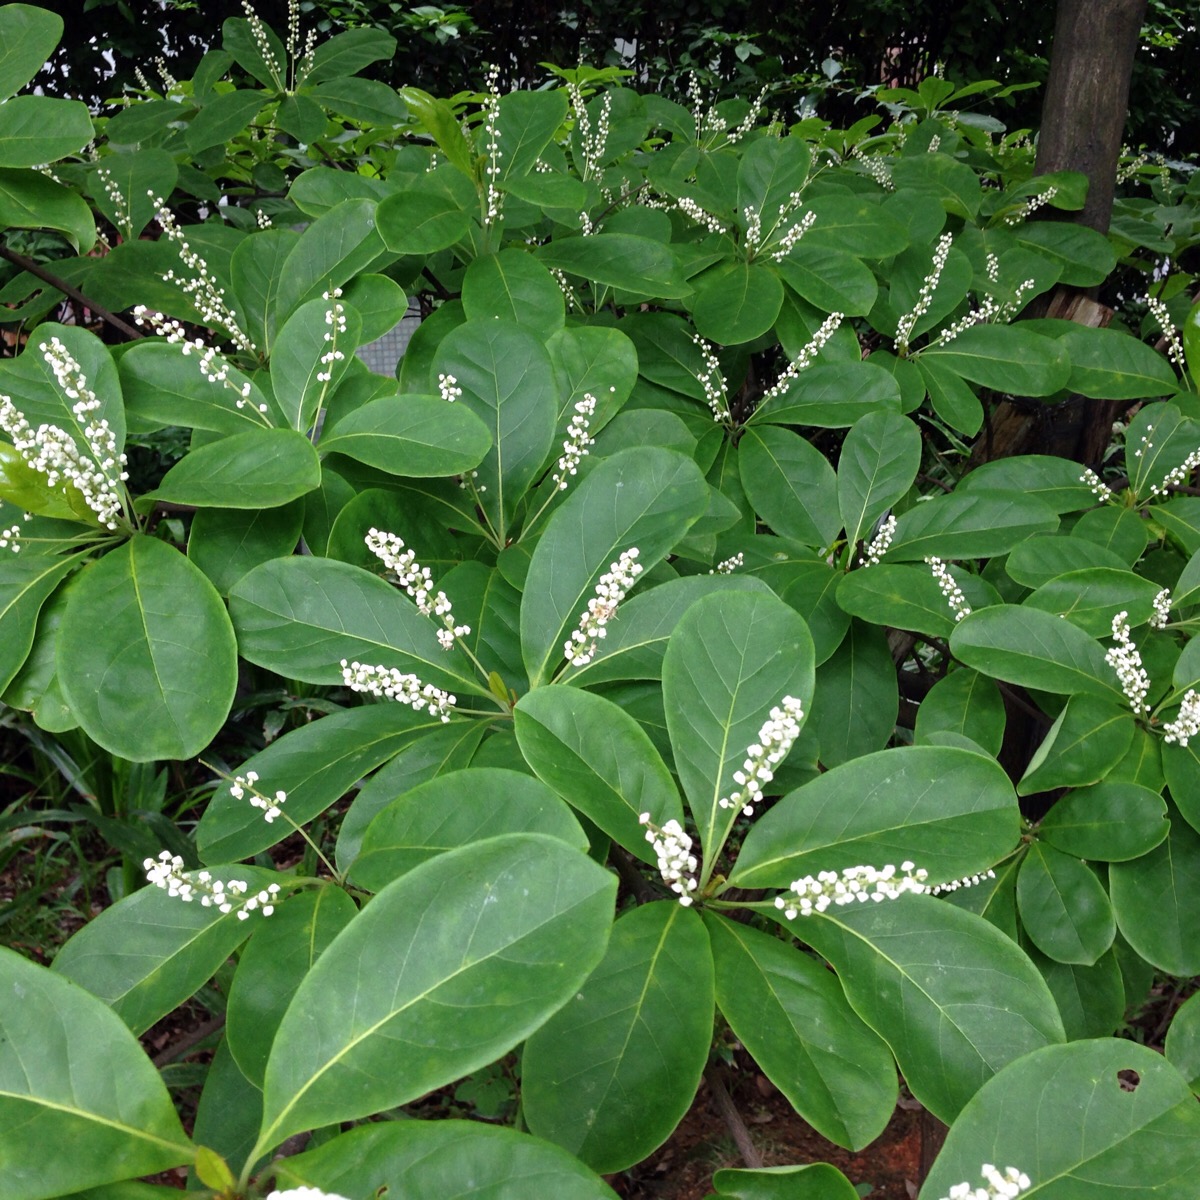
<point>31,200</point>
<point>737,305</point>
<point>1087,257</point>
<point>254,272</point>
<point>953,997</point>
<point>731,660</point>
<point>638,266</point>
<point>1087,740</point>
<point>133,177</point>
<point>1108,822</point>
<point>509,927</point>
<point>150,952</point>
<point>813,1181</point>
<point>791,485</point>
<point>227,1115</point>
<point>1183,1041</point>
<point>596,360</point>
<point>969,524</point>
<point>420,222</point>
<point>414,436</point>
<point>966,703</point>
<point>301,379</point>
<point>1041,559</point>
<point>28,37</point>
<point>1109,364</point>
<point>1054,481</point>
<point>1156,900</point>
<point>513,286</point>
<point>507,380</point>
<point>41,129</point>
<point>437,118</point>
<point>224,118</point>
<point>878,464</point>
<point>271,967</point>
<point>346,53</point>
<point>528,121</point>
<point>854,225</point>
<point>830,279</point>
<point>598,759</point>
<point>301,616</point>
<point>458,809</point>
<point>854,711</point>
<point>446,1159</point>
<point>1091,1000</point>
<point>1005,358</point>
<point>830,395</point>
<point>60,1050</point>
<point>792,1016</point>
<point>258,469</point>
<point>226,543</point>
<point>611,1074</point>
<point>953,184</point>
<point>146,654</point>
<point>951,397</point>
<point>1034,649</point>
<point>952,811</point>
<point>26,583</point>
<point>1103,1136</point>
<point>301,117</point>
<point>642,498</point>
<point>1064,907</point>
<point>316,765</point>
<point>1092,597</point>
<point>258,50</point>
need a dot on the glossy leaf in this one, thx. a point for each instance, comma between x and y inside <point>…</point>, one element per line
<point>966,703</point>
<point>791,485</point>
<point>1111,821</point>
<point>792,1016</point>
<point>146,653</point>
<point>60,1049</point>
<point>1092,597</point>
<point>1006,358</point>
<point>611,1074</point>
<point>300,377</point>
<point>509,927</point>
<point>513,286</point>
<point>969,524</point>
<point>1087,740</point>
<point>225,543</point>
<point>637,265</point>
<point>813,1181</point>
<point>854,711</point>
<point>1064,907</point>
<point>737,306</point>
<point>26,583</point>
<point>1110,364</point>
<point>878,464</point>
<point>1182,1048</point>
<point>28,37</point>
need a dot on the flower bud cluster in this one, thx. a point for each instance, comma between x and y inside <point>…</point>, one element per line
<point>580,647</point>
<point>876,167</point>
<point>167,872</point>
<point>11,537</point>
<point>1004,1186</point>
<point>388,683</point>
<point>1031,206</point>
<point>805,358</point>
<point>729,565</point>
<point>990,310</point>
<point>1099,488</point>
<point>335,318</point>
<point>925,296</point>
<point>749,120</point>
<point>676,862</point>
<point>712,380</point>
<point>448,388</point>
<point>202,290</point>
<point>1158,310</point>
<point>775,740</point>
<point>1177,476</point>
<point>877,547</point>
<point>51,451</point>
<point>117,198</point>
<point>272,807</point>
<point>1126,661</point>
<point>417,582</point>
<point>815,893</point>
<point>1162,610</point>
<point>576,444</point>
<point>491,146</point>
<point>262,219</point>
<point>262,43</point>
<point>793,234</point>
<point>692,210</point>
<point>1187,724</point>
<point>950,589</point>
<point>304,1193</point>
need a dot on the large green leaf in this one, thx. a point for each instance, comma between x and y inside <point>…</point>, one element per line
<point>965,703</point>
<point>1064,907</point>
<point>1108,822</point>
<point>508,381</point>
<point>950,810</point>
<point>349,52</point>
<point>611,1074</point>
<point>1108,1134</point>
<point>421,222</point>
<point>1035,649</point>
<point>792,1016</point>
<point>25,584</point>
<point>507,928</point>
<point>878,463</point>
<point>1092,597</point>
<point>28,36</point>
<point>730,661</point>
<point>598,759</point>
<point>982,523</point>
<point>642,498</point>
<point>150,952</point>
<point>854,225</point>
<point>146,654</point>
<point>637,265</point>
<point>41,129</point>
<point>899,597</point>
<point>225,543</point>
<point>301,377</point>
<point>260,468</point>
<point>316,765</point>
<point>954,997</point>
<point>738,305</point>
<point>1086,256</point>
<point>414,436</point>
<point>271,967</point>
<point>1109,364</point>
<point>831,279</point>
<point>1083,745</point>
<point>791,485</point>
<point>854,711</point>
<point>513,286</point>
<point>457,809</point>
<point>1006,358</point>
<point>301,616</point>
<point>60,1051</point>
<point>528,121</point>
<point>31,200</point>
<point>452,1160</point>
<point>832,394</point>
<point>223,118</point>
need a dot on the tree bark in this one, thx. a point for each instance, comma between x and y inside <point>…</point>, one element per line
<point>1087,96</point>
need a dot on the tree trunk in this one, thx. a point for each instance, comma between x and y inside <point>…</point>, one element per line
<point>1087,96</point>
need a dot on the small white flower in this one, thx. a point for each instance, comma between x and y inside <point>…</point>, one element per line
<point>1099,488</point>
<point>877,547</point>
<point>1000,1186</point>
<point>1162,610</point>
<point>1126,661</point>
<point>167,872</point>
<point>304,1193</point>
<point>925,296</point>
<point>448,388</point>
<point>775,741</point>
<point>1176,477</point>
<point>953,593</point>
<point>417,581</point>
<point>611,589</point>
<point>713,381</point>
<point>575,446</point>
<point>805,358</point>
<point>1187,724</point>
<point>405,688</point>
<point>676,862</point>
<point>272,806</point>
<point>729,565</point>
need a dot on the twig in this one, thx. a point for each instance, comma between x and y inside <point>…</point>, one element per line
<point>27,264</point>
<point>733,1119</point>
<point>193,1037</point>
